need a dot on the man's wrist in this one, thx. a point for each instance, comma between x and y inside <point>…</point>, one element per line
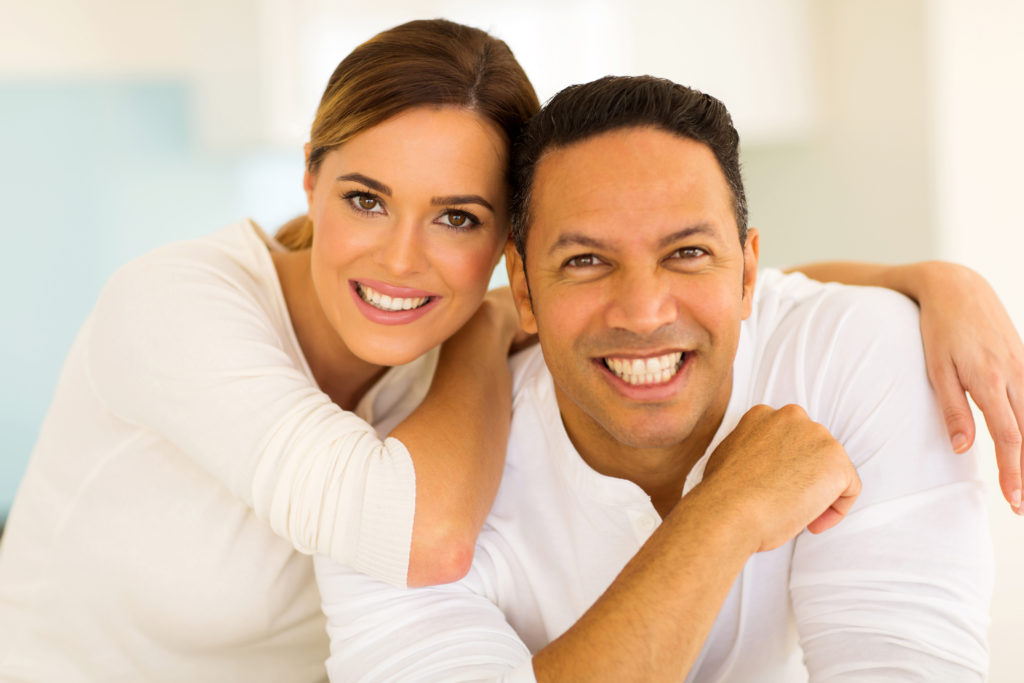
<point>728,521</point>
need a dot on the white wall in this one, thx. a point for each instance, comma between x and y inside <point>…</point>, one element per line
<point>856,184</point>
<point>976,63</point>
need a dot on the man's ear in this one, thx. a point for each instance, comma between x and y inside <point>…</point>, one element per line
<point>751,252</point>
<point>308,180</point>
<point>520,289</point>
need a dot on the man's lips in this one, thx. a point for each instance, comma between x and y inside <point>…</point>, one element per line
<point>647,370</point>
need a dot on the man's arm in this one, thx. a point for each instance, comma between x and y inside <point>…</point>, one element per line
<point>776,472</point>
<point>970,345</point>
<point>900,590</point>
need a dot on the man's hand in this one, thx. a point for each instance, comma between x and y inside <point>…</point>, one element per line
<point>782,472</point>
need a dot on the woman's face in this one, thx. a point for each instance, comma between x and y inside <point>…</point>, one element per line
<point>409,218</point>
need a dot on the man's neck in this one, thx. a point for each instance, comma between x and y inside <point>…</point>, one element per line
<point>659,470</point>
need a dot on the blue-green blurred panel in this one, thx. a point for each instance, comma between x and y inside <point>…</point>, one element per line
<point>93,174</point>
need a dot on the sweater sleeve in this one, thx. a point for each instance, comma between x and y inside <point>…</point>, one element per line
<point>192,344</point>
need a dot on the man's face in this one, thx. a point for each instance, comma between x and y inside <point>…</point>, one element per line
<point>638,285</point>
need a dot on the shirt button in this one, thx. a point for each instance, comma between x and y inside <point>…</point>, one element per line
<point>646,524</point>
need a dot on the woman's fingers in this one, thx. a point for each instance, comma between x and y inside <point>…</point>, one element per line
<point>972,346</point>
<point>1004,423</point>
<point>956,411</point>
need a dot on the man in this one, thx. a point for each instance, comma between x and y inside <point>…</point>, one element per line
<point>650,520</point>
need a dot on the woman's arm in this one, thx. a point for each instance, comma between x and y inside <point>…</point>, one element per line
<point>457,438</point>
<point>970,345</point>
<point>190,343</point>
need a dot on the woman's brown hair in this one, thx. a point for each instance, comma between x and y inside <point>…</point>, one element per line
<point>420,63</point>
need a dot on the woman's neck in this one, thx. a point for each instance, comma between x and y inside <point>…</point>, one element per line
<point>339,373</point>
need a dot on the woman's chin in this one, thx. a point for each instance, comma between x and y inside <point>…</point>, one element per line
<point>384,354</point>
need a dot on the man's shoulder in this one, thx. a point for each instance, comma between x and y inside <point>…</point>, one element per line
<point>528,370</point>
<point>852,357</point>
<point>793,299</point>
<point>804,324</point>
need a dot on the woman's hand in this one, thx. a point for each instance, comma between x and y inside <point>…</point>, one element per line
<point>504,311</point>
<point>970,345</point>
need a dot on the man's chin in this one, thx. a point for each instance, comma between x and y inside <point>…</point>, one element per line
<point>649,435</point>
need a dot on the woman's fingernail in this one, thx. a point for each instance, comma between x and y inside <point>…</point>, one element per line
<point>1015,501</point>
<point>959,442</point>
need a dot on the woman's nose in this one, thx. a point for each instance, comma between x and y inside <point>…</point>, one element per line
<point>402,250</point>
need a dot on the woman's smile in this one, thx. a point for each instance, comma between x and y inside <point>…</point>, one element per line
<point>391,309</point>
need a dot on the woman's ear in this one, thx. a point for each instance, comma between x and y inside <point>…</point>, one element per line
<point>308,179</point>
<point>520,288</point>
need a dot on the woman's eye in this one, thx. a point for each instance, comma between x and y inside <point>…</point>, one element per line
<point>365,202</point>
<point>459,220</point>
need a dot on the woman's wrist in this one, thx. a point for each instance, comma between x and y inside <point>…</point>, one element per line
<point>927,280</point>
<point>485,335</point>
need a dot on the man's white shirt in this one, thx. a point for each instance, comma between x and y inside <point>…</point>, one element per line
<point>899,590</point>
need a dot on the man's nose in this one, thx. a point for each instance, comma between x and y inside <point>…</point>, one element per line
<point>642,302</point>
<point>401,249</point>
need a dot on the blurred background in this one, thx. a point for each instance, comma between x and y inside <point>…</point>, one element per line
<point>880,130</point>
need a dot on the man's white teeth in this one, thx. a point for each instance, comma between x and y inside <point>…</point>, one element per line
<point>655,370</point>
<point>388,303</point>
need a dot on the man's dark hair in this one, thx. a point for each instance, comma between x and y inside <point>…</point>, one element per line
<point>582,111</point>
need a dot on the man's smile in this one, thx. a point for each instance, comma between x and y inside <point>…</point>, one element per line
<point>645,371</point>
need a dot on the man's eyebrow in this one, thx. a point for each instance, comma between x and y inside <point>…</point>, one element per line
<point>461,199</point>
<point>576,239</point>
<point>698,229</point>
<point>366,180</point>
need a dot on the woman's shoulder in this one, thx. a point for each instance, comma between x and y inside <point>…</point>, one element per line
<point>238,254</point>
<point>190,313</point>
<point>189,292</point>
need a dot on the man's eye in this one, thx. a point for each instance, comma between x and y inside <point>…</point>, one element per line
<point>583,261</point>
<point>689,253</point>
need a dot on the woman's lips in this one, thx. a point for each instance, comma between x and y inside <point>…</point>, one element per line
<point>393,290</point>
<point>388,304</point>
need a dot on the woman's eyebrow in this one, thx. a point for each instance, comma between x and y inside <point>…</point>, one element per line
<point>366,180</point>
<point>461,199</point>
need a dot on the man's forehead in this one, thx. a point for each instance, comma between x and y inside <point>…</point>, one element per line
<point>632,175</point>
<point>609,145</point>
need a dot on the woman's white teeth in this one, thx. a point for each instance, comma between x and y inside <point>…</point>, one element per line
<point>646,370</point>
<point>389,303</point>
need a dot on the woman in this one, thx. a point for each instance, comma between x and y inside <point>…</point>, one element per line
<point>207,433</point>
<point>215,420</point>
